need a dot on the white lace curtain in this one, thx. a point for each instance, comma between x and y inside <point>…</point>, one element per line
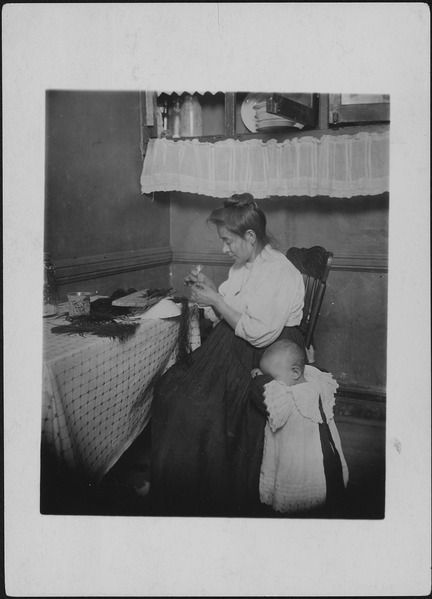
<point>339,166</point>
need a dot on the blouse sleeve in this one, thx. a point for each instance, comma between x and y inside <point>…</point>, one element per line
<point>275,300</point>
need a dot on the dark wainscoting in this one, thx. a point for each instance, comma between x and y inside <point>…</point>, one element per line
<point>349,262</point>
<point>89,267</point>
<point>107,272</point>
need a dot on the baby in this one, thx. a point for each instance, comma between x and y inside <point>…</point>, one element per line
<point>284,361</point>
<point>303,466</point>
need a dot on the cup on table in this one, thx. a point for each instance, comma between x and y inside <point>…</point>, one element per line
<point>79,303</point>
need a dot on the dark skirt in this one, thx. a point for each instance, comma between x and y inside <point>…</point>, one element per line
<point>207,432</point>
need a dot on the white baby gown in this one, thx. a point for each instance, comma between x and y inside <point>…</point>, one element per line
<point>292,475</point>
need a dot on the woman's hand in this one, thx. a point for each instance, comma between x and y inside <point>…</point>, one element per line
<point>195,276</point>
<point>204,295</point>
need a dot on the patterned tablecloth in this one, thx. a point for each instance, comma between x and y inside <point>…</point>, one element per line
<point>97,392</point>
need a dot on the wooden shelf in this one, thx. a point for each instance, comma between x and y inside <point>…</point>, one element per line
<point>281,136</point>
<point>230,126</point>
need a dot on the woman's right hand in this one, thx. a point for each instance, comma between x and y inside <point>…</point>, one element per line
<point>197,277</point>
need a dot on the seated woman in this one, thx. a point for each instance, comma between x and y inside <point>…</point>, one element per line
<point>207,436</point>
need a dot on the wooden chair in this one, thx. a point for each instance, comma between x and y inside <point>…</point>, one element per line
<point>314,263</point>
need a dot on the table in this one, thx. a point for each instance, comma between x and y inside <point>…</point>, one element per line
<point>97,392</point>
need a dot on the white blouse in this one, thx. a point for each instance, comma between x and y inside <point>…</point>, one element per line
<point>269,294</point>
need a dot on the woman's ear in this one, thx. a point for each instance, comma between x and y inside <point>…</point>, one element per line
<point>250,235</point>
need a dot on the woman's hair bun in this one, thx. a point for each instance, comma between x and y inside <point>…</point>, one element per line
<point>242,200</point>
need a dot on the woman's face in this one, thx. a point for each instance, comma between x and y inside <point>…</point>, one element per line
<point>239,248</point>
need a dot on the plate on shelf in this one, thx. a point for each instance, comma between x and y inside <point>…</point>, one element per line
<point>273,125</point>
<point>247,110</point>
<point>263,115</point>
<point>278,122</point>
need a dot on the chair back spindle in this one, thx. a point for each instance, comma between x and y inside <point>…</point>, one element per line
<point>314,263</point>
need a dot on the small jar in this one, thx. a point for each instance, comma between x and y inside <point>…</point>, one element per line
<point>50,297</point>
<point>190,117</point>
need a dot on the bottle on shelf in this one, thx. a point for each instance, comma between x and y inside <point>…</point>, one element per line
<point>190,117</point>
<point>175,119</point>
<point>164,114</point>
<point>50,297</point>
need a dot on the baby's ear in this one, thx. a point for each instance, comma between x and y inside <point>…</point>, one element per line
<point>296,372</point>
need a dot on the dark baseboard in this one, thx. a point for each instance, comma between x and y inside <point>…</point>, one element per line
<point>360,404</point>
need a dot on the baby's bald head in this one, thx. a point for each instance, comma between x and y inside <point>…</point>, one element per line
<point>284,359</point>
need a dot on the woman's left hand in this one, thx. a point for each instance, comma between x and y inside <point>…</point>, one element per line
<point>204,295</point>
